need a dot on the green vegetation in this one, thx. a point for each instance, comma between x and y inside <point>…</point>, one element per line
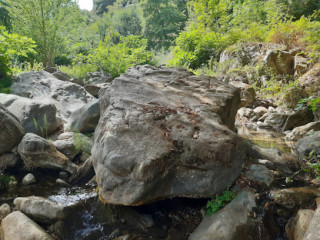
<point>219,202</point>
<point>44,127</point>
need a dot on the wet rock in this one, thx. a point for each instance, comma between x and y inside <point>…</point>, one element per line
<point>38,152</point>
<point>281,62</point>
<point>36,116</point>
<point>260,174</point>
<point>86,118</point>
<point>298,118</point>
<point>29,179</point>
<point>40,209</point>
<point>63,183</point>
<point>11,131</point>
<point>84,173</point>
<point>298,225</point>
<point>98,77</point>
<point>313,230</point>
<point>296,197</point>
<point>9,160</point>
<point>302,131</point>
<point>61,76</point>
<point>67,96</point>
<point>247,93</point>
<point>228,222</point>
<point>162,133</point>
<point>5,210</point>
<point>307,144</point>
<point>18,226</point>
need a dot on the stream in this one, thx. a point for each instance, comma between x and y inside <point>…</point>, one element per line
<point>173,219</point>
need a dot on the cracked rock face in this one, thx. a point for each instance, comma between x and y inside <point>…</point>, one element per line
<point>164,132</point>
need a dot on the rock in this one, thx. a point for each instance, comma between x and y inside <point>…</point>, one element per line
<point>298,118</point>
<point>84,173</point>
<point>11,131</point>
<point>301,65</point>
<point>29,179</point>
<point>281,62</point>
<point>307,144</point>
<point>161,134</point>
<point>310,80</point>
<point>228,222</point>
<point>38,152</point>
<point>94,78</point>
<point>36,116</point>
<point>247,93</point>
<point>66,135</point>
<point>67,96</point>
<point>9,160</point>
<point>291,96</point>
<point>63,183</point>
<point>302,131</point>
<point>277,120</point>
<point>77,81</point>
<point>260,174</point>
<point>61,76</point>
<point>94,89</point>
<point>40,209</point>
<point>18,226</point>
<point>85,119</point>
<point>5,210</point>
<point>296,197</point>
<point>244,114</point>
<point>298,225</point>
<point>260,111</point>
<point>313,230</point>
<point>51,69</point>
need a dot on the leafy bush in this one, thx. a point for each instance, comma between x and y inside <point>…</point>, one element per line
<point>11,47</point>
<point>78,70</point>
<point>117,53</point>
<point>219,202</point>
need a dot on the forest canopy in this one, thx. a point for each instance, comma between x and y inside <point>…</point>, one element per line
<point>118,34</point>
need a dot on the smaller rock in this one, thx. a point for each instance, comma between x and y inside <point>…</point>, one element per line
<point>259,173</point>
<point>298,118</point>
<point>260,111</point>
<point>66,135</point>
<point>307,144</point>
<point>77,81</point>
<point>61,76</point>
<point>281,62</point>
<point>263,125</point>
<point>51,69</point>
<point>298,225</point>
<point>13,181</point>
<point>29,179</point>
<point>84,172</point>
<point>9,160</point>
<point>247,93</point>
<point>63,183</point>
<point>265,162</point>
<point>301,65</point>
<point>296,197</point>
<point>277,120</point>
<point>5,210</point>
<point>18,226</point>
<point>63,175</point>
<point>302,131</point>
<point>98,77</point>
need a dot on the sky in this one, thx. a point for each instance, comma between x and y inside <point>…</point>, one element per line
<point>86,4</point>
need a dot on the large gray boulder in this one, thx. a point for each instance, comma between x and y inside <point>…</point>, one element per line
<point>86,118</point>
<point>302,131</point>
<point>67,96</point>
<point>309,143</point>
<point>38,152</point>
<point>164,132</point>
<point>227,223</point>
<point>11,131</point>
<point>18,226</point>
<point>36,116</point>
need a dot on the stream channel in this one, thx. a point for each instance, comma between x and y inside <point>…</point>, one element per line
<point>173,219</point>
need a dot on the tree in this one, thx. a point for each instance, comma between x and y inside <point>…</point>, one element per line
<point>48,22</point>
<point>4,16</point>
<point>101,6</point>
<point>164,19</point>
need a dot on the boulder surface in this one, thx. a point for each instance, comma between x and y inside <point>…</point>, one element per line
<point>163,133</point>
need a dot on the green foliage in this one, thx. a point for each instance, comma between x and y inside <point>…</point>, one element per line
<point>78,70</point>
<point>219,202</point>
<point>299,8</point>
<point>4,16</point>
<point>117,53</point>
<point>101,6</point>
<point>12,46</point>
<point>4,180</point>
<point>81,144</point>
<point>311,103</point>
<point>164,19</point>
<point>47,22</point>
<point>44,127</point>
